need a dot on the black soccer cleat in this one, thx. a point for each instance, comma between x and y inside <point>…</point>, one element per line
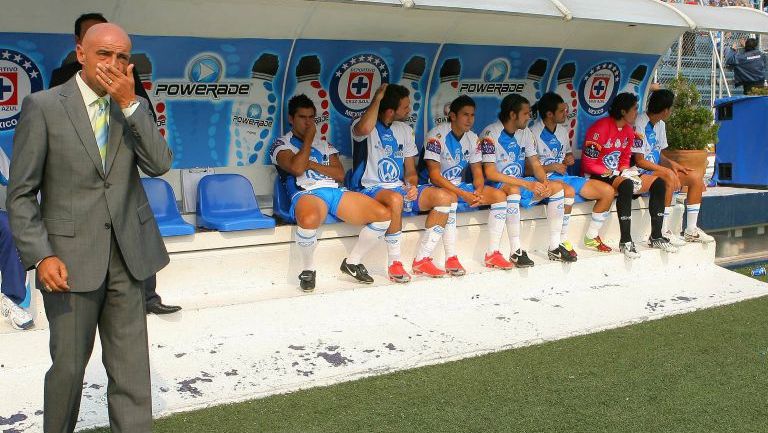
<point>357,272</point>
<point>561,254</point>
<point>307,280</point>
<point>520,259</point>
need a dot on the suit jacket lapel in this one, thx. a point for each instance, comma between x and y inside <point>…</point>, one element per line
<point>116,121</point>
<point>73,103</point>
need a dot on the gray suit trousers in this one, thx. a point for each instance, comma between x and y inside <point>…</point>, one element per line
<point>117,309</point>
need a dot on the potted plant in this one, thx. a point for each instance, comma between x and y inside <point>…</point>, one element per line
<point>690,127</point>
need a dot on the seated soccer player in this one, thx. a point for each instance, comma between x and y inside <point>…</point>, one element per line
<point>318,171</point>
<point>389,176</point>
<point>606,157</point>
<point>648,157</point>
<point>450,149</point>
<point>506,145</point>
<point>554,149</point>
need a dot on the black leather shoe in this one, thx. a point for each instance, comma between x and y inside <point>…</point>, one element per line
<point>160,308</point>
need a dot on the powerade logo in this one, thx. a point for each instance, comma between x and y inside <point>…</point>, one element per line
<point>19,76</point>
<point>355,81</point>
<point>204,81</point>
<point>494,81</point>
<point>598,88</point>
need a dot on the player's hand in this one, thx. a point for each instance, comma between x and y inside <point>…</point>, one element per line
<point>118,85</point>
<point>411,191</point>
<point>538,188</point>
<point>380,92</point>
<point>682,170</point>
<point>471,198</point>
<point>569,159</point>
<point>675,180</point>
<point>52,272</point>
<point>309,136</point>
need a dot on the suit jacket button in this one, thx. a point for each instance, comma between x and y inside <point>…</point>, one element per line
<point>107,226</point>
<point>107,185</point>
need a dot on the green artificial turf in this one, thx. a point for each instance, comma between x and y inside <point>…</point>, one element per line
<point>701,372</point>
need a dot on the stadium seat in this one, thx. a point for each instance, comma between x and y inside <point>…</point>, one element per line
<point>163,204</point>
<point>226,202</point>
<point>284,188</point>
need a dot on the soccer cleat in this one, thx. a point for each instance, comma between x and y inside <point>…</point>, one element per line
<point>397,273</point>
<point>496,260</point>
<point>453,267</point>
<point>520,259</point>
<point>663,244</point>
<point>561,254</point>
<point>597,244</point>
<point>17,316</point>
<point>697,235</point>
<point>568,246</point>
<point>674,239</point>
<point>357,272</point>
<point>426,267</point>
<point>629,250</point>
<point>307,280</point>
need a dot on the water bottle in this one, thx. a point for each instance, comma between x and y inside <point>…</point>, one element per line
<point>758,272</point>
<point>407,204</point>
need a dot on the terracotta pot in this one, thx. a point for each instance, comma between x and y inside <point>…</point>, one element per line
<point>695,159</point>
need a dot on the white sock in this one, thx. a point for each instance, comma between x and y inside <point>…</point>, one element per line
<point>598,219</point>
<point>555,216</point>
<point>513,221</point>
<point>429,240</point>
<point>306,239</point>
<point>496,218</point>
<point>692,216</point>
<point>449,237</point>
<point>366,240</point>
<point>393,246</point>
<point>667,218</point>
<point>568,201</point>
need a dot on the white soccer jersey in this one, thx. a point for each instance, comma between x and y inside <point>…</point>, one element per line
<point>507,151</point>
<point>654,138</point>
<point>387,149</point>
<point>321,154</point>
<point>453,153</point>
<point>551,147</point>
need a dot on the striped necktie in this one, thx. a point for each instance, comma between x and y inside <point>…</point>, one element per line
<point>101,129</point>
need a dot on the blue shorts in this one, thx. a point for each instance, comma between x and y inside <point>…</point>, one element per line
<point>575,182</point>
<point>372,191</point>
<point>331,197</point>
<point>527,198</point>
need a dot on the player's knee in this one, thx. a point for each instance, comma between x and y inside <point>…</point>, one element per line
<point>512,189</point>
<point>495,195</point>
<point>393,201</point>
<point>381,212</point>
<point>625,187</point>
<point>443,198</point>
<point>557,187</point>
<point>308,219</point>
<point>659,186</point>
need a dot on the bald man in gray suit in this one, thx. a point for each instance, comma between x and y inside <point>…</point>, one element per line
<point>92,237</point>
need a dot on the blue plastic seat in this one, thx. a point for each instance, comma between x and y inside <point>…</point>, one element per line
<point>284,188</point>
<point>163,204</point>
<point>226,202</point>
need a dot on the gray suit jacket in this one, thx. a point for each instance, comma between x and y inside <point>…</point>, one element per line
<point>55,152</point>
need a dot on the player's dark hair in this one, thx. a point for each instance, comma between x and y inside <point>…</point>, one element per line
<point>750,44</point>
<point>393,94</point>
<point>660,100</point>
<point>461,102</point>
<point>548,104</point>
<point>511,103</point>
<point>622,102</point>
<point>91,16</point>
<point>300,101</point>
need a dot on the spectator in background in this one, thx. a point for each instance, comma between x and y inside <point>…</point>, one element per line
<point>748,63</point>
<point>61,75</point>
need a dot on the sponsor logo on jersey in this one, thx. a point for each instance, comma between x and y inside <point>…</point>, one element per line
<point>204,81</point>
<point>487,147</point>
<point>433,145</point>
<point>598,88</point>
<point>512,170</point>
<point>388,170</point>
<point>453,172</point>
<point>611,160</point>
<point>592,150</point>
<point>354,82</point>
<point>19,76</point>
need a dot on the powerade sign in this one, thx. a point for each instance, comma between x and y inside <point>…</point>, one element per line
<point>223,102</point>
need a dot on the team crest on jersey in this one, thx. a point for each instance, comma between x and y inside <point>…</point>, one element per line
<point>611,160</point>
<point>487,147</point>
<point>638,145</point>
<point>19,76</point>
<point>598,87</point>
<point>354,82</point>
<point>433,145</point>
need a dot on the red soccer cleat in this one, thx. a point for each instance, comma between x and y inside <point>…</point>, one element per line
<point>496,260</point>
<point>426,267</point>
<point>397,273</point>
<point>597,244</point>
<point>453,267</point>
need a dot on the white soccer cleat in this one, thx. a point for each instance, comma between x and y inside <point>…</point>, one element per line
<point>17,316</point>
<point>663,244</point>
<point>629,250</point>
<point>674,239</point>
<point>697,235</point>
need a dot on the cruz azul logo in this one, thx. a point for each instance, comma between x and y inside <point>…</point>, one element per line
<point>19,76</point>
<point>355,81</point>
<point>598,87</point>
<point>204,80</point>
